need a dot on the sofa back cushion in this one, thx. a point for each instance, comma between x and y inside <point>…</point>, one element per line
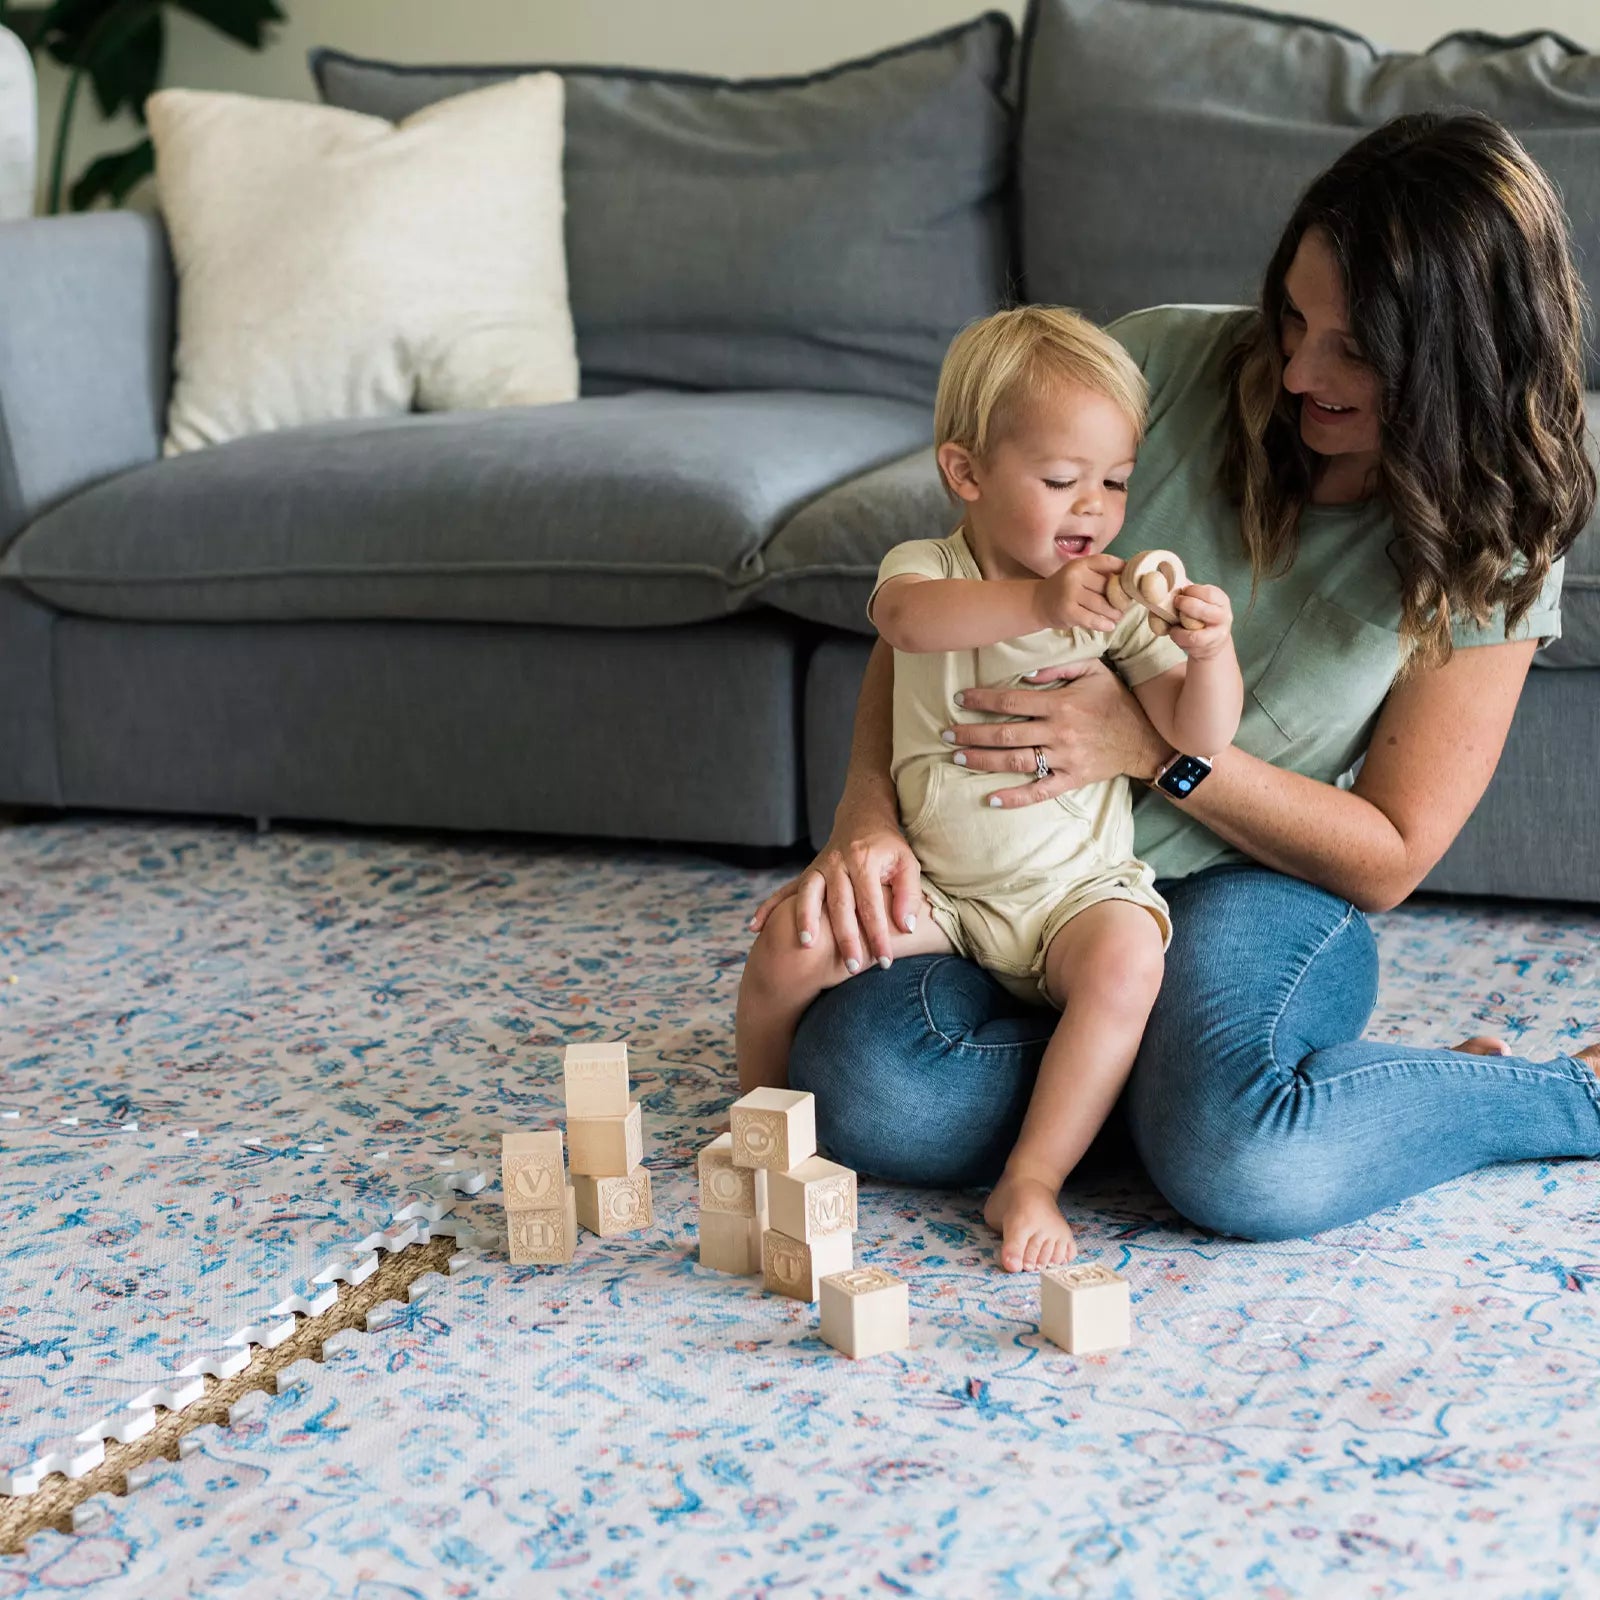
<point>1163,143</point>
<point>823,232</point>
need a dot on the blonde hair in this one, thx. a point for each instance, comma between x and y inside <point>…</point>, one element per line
<point>1000,366</point>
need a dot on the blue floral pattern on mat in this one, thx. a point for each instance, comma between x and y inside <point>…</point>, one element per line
<point>131,1263</point>
<point>1404,1407</point>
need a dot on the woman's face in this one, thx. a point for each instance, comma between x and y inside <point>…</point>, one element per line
<point>1338,391</point>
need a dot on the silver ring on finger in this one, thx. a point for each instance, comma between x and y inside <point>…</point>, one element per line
<point>1040,765</point>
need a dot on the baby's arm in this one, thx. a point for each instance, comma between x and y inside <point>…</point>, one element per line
<point>919,614</point>
<point>1196,707</point>
<point>926,614</point>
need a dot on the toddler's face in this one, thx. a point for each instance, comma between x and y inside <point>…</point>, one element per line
<point>1056,486</point>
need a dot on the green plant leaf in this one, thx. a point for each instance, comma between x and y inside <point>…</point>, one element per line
<point>66,27</point>
<point>114,177</point>
<point>124,62</point>
<point>244,20</point>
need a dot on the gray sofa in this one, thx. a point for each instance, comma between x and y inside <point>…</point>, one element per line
<point>640,615</point>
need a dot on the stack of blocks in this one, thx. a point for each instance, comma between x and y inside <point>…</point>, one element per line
<point>541,1216</point>
<point>810,1202</point>
<point>610,1190</point>
<point>605,1141</point>
<point>770,1203</point>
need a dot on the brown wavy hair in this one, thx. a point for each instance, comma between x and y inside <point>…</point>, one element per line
<point>1462,297</point>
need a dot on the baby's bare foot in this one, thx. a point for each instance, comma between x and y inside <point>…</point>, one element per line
<point>1026,1215</point>
<point>1591,1058</point>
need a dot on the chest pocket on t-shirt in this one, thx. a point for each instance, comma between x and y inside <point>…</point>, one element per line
<point>1327,677</point>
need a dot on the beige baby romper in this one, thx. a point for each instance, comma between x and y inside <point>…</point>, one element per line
<point>1003,883</point>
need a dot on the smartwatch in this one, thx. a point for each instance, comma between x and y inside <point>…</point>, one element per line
<point>1181,775</point>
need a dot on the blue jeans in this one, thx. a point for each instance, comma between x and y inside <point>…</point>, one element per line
<point>1254,1104</point>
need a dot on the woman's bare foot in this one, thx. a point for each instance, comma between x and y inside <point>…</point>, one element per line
<point>1483,1045</point>
<point>1027,1216</point>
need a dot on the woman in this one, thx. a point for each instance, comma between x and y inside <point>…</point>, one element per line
<point>1383,465</point>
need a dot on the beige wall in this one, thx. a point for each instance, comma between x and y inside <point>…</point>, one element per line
<point>731,37</point>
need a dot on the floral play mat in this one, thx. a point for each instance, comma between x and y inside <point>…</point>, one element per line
<point>237,1068</point>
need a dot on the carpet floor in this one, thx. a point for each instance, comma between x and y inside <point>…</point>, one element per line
<point>240,1068</point>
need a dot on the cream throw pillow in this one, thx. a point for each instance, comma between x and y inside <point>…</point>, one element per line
<point>337,265</point>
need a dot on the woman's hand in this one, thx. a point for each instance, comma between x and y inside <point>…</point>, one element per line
<point>860,882</point>
<point>1090,729</point>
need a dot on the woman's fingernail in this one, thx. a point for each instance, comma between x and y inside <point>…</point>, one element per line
<point>960,758</point>
<point>883,961</point>
<point>994,800</point>
<point>948,736</point>
<point>911,924</point>
<point>961,699</point>
<point>852,965</point>
<point>805,938</point>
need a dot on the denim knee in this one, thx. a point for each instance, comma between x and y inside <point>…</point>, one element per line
<point>1244,1182</point>
<point>921,1073</point>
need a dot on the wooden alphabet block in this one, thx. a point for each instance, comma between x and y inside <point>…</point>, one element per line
<point>609,1206</point>
<point>1084,1308</point>
<point>532,1176</point>
<point>774,1128</point>
<point>730,1243</point>
<point>543,1237</point>
<point>597,1080</point>
<point>815,1198</point>
<point>605,1147</point>
<point>796,1268</point>
<point>739,1191</point>
<point>865,1312</point>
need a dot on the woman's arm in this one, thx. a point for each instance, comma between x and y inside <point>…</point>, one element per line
<point>1433,751</point>
<point>1432,754</point>
<point>866,870</point>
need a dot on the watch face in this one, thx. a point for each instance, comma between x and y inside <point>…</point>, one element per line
<point>1181,777</point>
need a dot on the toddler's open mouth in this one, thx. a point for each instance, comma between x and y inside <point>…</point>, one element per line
<point>1074,547</point>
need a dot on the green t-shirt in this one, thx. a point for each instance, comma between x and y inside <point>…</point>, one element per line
<point>1320,647</point>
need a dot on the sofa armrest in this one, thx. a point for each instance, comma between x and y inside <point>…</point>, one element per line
<point>85,355</point>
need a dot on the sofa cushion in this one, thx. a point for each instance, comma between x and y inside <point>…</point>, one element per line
<point>1188,132</point>
<point>332,265</point>
<point>823,232</point>
<point>631,511</point>
<point>821,564</point>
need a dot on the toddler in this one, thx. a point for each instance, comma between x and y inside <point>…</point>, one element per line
<point>1037,421</point>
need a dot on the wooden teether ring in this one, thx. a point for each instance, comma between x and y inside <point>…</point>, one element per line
<point>1152,578</point>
